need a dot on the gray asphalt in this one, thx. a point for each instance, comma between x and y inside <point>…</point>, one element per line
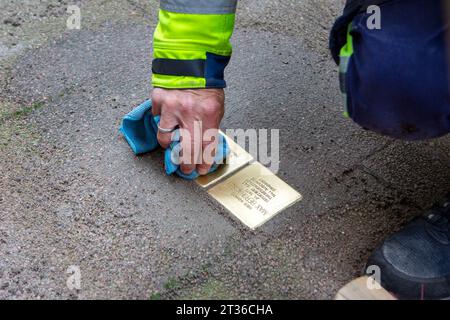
<point>73,194</point>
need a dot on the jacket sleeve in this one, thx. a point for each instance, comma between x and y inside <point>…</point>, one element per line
<point>191,43</point>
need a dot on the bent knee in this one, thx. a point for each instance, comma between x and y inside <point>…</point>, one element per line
<point>397,82</point>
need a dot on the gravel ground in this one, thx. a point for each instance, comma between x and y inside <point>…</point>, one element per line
<point>72,194</point>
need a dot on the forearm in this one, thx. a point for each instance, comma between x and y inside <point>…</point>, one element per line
<point>191,44</point>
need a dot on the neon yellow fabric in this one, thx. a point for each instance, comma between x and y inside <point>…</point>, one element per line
<point>184,36</point>
<point>177,82</point>
<point>347,50</point>
<point>345,54</point>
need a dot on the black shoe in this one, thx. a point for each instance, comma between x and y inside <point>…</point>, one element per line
<point>415,262</point>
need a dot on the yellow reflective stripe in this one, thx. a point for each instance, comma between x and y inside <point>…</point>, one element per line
<point>178,54</point>
<point>177,82</point>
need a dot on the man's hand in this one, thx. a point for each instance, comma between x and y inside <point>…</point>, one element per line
<point>187,109</point>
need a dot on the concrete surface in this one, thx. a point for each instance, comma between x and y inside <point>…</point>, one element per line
<point>73,194</point>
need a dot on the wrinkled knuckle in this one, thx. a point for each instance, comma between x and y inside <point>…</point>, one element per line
<point>170,104</point>
<point>157,96</point>
<point>212,109</point>
<point>188,105</point>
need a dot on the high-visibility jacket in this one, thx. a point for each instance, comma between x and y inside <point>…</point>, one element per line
<point>191,44</point>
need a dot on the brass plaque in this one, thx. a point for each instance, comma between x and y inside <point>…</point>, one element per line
<point>237,158</point>
<point>254,195</point>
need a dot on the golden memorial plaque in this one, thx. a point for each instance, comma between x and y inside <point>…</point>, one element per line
<point>237,158</point>
<point>254,195</point>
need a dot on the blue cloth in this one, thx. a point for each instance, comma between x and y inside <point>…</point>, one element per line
<point>398,77</point>
<point>140,129</point>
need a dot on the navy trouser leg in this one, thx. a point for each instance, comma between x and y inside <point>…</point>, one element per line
<point>397,80</point>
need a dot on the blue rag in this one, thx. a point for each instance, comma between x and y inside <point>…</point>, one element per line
<point>140,129</point>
